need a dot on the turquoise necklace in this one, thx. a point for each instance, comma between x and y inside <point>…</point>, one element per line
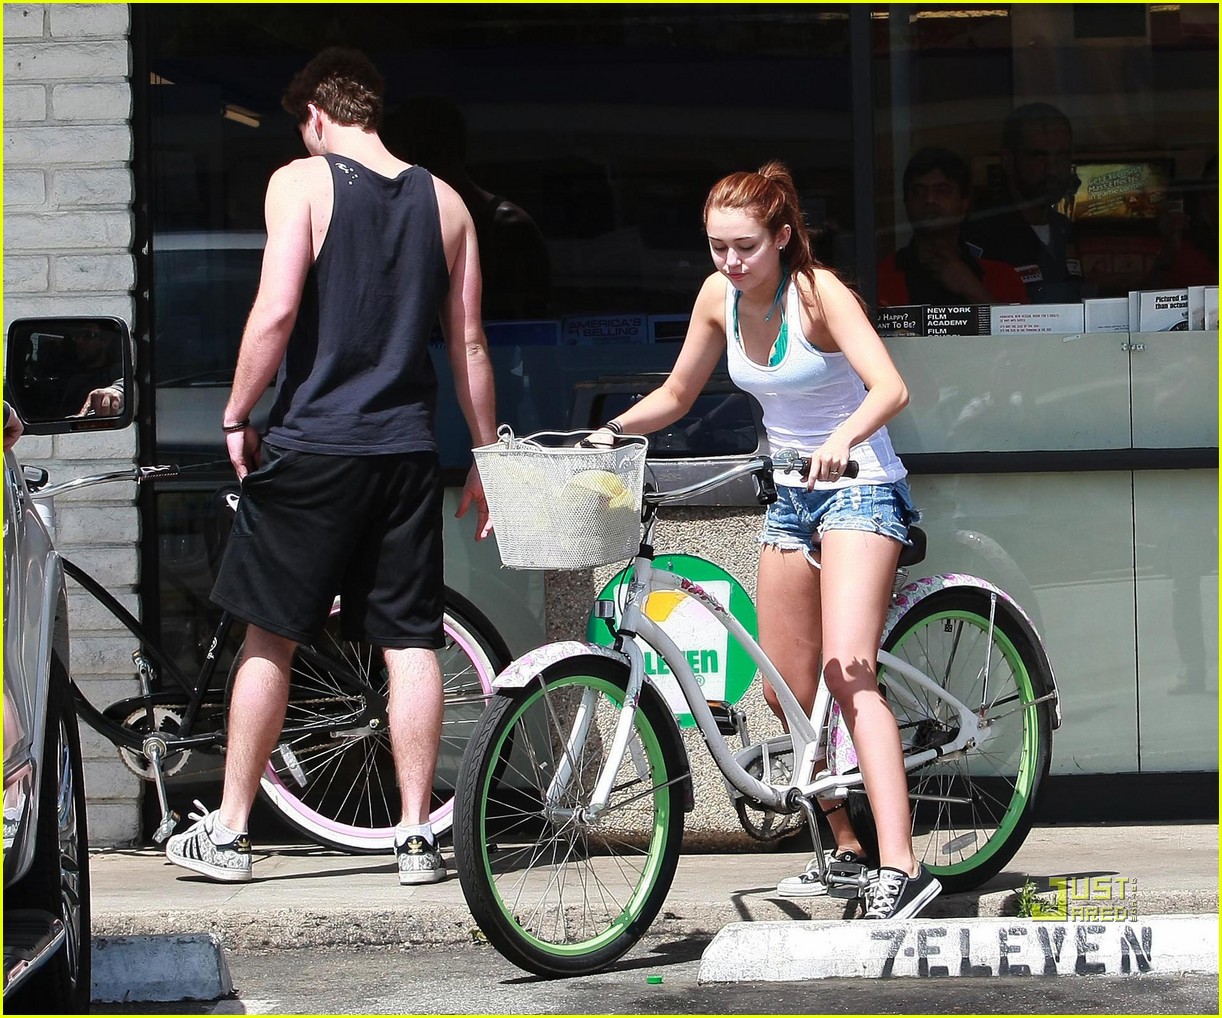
<point>777,354</point>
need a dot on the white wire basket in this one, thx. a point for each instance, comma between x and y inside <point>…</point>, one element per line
<point>555,506</point>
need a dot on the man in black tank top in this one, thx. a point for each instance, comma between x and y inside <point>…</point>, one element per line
<point>342,494</point>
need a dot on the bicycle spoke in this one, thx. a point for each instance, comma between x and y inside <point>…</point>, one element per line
<point>351,798</point>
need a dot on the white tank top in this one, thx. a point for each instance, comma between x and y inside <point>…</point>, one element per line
<point>805,396</point>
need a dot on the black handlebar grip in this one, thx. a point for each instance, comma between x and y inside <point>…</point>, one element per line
<point>765,487</point>
<point>850,469</point>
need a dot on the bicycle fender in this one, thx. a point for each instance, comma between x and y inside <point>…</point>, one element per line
<point>524,670</point>
<point>909,595</point>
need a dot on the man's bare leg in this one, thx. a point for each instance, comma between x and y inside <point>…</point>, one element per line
<point>217,846</point>
<point>256,716</point>
<point>415,709</point>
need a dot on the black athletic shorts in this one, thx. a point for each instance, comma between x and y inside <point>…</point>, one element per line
<point>367,528</point>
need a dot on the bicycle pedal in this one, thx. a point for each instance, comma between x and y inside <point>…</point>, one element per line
<point>730,720</point>
<point>847,879</point>
<point>721,714</point>
<point>292,764</point>
<point>166,827</point>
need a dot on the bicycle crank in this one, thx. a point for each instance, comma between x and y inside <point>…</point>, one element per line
<point>155,751</point>
<point>168,723</point>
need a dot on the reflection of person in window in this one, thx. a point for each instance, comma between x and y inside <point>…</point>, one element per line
<point>1189,252</point>
<point>13,428</point>
<point>431,131</point>
<point>96,384</point>
<point>937,266</point>
<point>1025,230</point>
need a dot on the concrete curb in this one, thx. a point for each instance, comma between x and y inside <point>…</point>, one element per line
<point>274,925</point>
<point>189,966</point>
<point>821,949</point>
<point>285,927</point>
<point>307,897</point>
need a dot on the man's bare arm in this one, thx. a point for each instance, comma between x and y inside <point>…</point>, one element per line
<point>466,344</point>
<point>286,260</point>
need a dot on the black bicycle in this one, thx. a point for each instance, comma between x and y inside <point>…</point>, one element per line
<point>332,774</point>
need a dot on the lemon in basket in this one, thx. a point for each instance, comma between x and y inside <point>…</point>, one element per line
<point>601,482</point>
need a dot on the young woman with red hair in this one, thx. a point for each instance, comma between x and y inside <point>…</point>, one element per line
<point>798,340</point>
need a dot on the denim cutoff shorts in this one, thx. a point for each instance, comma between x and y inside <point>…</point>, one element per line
<point>799,518</point>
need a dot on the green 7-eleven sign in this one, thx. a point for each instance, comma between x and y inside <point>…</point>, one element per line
<point>723,668</point>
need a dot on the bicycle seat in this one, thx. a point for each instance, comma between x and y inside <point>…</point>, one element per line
<point>218,522</point>
<point>913,553</point>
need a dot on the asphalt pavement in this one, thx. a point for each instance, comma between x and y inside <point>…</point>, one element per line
<point>1141,898</point>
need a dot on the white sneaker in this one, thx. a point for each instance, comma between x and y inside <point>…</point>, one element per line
<point>420,861</point>
<point>195,850</point>
<point>807,884</point>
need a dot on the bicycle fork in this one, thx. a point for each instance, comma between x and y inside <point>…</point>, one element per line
<point>620,744</point>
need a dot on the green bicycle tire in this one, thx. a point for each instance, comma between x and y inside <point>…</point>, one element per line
<point>517,860</point>
<point>945,636</point>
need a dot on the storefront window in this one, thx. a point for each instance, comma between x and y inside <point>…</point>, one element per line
<point>1112,153</point>
<point>584,142</point>
<point>594,130</point>
<point>585,138</point>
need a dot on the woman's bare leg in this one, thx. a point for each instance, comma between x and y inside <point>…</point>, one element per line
<point>858,571</point>
<point>790,631</point>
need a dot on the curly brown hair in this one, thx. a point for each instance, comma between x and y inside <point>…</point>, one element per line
<point>343,83</point>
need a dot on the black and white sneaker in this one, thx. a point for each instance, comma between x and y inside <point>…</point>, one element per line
<point>899,896</point>
<point>420,861</point>
<point>195,850</point>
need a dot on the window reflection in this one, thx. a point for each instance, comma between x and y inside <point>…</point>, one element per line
<point>1134,87</point>
<point>588,137</point>
<point>604,124</point>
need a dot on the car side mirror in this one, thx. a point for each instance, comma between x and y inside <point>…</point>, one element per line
<point>70,374</point>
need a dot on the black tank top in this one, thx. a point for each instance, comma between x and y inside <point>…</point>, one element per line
<point>356,378</point>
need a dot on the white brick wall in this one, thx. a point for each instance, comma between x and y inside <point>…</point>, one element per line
<point>67,251</point>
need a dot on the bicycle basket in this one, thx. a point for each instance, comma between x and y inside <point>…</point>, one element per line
<point>559,507</point>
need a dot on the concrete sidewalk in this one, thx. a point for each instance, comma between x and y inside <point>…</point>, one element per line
<point>303,896</point>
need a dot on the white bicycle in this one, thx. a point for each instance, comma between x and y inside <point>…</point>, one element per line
<point>573,788</point>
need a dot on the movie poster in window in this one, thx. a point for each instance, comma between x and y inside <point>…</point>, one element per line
<point>1124,192</point>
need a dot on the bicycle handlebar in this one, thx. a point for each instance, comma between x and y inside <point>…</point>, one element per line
<point>761,466</point>
<point>137,474</point>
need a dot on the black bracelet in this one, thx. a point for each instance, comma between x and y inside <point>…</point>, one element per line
<point>236,426</point>
<point>614,427</point>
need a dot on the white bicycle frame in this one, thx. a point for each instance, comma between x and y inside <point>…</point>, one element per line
<point>809,737</point>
